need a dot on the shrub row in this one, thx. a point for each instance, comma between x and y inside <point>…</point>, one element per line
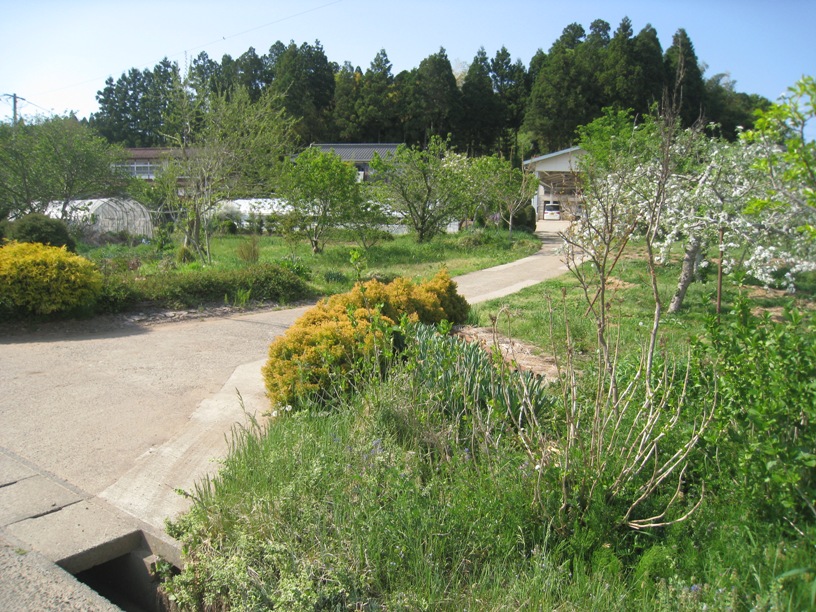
<point>318,354</point>
<point>259,282</point>
<point>36,279</point>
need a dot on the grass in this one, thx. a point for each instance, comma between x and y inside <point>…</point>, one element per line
<point>402,256</point>
<point>528,314</point>
<point>448,482</point>
<point>435,487</point>
<point>128,269</point>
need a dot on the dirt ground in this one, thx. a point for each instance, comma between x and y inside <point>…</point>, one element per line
<point>517,353</point>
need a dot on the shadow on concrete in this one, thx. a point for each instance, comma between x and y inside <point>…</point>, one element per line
<point>73,330</point>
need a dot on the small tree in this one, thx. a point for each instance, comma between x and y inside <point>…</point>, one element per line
<point>505,190</point>
<point>426,188</point>
<point>322,192</point>
<point>54,160</point>
<point>226,146</point>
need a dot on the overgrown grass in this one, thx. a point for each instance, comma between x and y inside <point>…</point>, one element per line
<point>528,313</point>
<point>439,487</point>
<point>447,481</point>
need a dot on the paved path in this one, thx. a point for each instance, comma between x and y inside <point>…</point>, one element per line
<point>99,430</point>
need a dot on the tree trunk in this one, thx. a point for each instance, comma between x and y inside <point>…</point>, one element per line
<point>687,273</point>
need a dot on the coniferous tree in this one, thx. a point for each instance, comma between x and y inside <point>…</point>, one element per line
<point>730,109</point>
<point>346,120</point>
<point>435,97</point>
<point>619,69</point>
<point>376,106</point>
<point>649,78</point>
<point>304,77</point>
<point>510,82</point>
<point>684,78</point>
<point>480,118</point>
<point>558,101</point>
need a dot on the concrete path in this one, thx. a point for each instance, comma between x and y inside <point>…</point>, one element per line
<point>100,429</point>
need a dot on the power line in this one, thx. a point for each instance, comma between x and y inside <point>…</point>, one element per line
<point>205,45</point>
<point>266,25</point>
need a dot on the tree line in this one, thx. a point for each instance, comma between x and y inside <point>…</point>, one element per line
<point>498,105</point>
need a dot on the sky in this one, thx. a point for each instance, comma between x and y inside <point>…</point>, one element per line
<point>57,54</point>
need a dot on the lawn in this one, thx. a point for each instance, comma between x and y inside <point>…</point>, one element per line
<point>141,273</point>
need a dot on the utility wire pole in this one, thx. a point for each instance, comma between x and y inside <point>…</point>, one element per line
<point>14,99</point>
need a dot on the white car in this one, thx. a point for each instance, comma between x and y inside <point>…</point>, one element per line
<point>552,212</point>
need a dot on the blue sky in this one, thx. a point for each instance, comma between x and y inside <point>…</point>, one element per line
<point>56,54</point>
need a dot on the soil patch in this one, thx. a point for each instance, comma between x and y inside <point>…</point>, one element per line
<point>521,355</point>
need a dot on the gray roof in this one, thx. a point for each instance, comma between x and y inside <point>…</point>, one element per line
<point>358,152</point>
<point>552,155</point>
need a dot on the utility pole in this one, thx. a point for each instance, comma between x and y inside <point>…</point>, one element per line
<point>13,106</point>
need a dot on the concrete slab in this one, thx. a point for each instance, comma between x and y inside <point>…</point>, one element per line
<point>149,491</point>
<point>79,536</point>
<point>28,581</point>
<point>34,496</point>
<point>12,470</point>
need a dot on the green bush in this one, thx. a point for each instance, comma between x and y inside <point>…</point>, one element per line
<point>192,288</point>
<point>39,279</point>
<point>524,220</point>
<point>266,282</point>
<point>764,373</point>
<point>43,229</point>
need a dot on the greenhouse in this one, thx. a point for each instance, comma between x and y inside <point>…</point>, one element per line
<point>111,215</point>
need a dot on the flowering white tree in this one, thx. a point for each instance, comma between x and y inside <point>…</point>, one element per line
<point>786,155</point>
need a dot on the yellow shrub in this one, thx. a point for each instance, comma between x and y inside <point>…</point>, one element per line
<point>40,279</point>
<point>315,357</point>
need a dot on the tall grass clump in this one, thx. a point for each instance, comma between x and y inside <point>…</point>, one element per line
<point>397,499</point>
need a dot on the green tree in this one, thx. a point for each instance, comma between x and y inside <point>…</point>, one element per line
<point>304,78</point>
<point>731,110</point>
<point>322,192</point>
<point>685,78</point>
<point>510,82</point>
<point>234,151</point>
<point>649,78</point>
<point>435,97</point>
<point>347,123</point>
<point>132,110</point>
<point>54,160</point>
<point>425,188</point>
<point>619,70</point>
<point>555,110</point>
<point>501,188</point>
<point>480,119</point>
<point>376,106</point>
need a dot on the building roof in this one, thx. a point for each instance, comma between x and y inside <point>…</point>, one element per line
<point>558,161</point>
<point>136,153</point>
<point>358,152</point>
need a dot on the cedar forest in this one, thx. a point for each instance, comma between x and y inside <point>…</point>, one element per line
<point>496,106</point>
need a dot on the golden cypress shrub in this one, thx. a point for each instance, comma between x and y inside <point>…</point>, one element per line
<point>317,355</point>
<point>39,279</point>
